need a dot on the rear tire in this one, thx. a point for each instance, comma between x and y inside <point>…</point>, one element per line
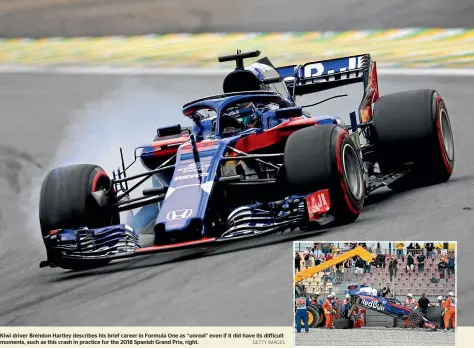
<point>325,157</point>
<point>64,199</point>
<point>343,324</point>
<point>414,127</point>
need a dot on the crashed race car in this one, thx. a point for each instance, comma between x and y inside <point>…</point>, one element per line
<point>369,298</point>
<point>253,163</point>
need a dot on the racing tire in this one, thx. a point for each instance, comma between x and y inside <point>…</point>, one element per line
<point>343,324</point>
<point>414,127</point>
<point>65,200</point>
<point>415,319</point>
<point>325,157</point>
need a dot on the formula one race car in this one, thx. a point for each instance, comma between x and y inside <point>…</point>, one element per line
<point>367,297</point>
<point>253,163</point>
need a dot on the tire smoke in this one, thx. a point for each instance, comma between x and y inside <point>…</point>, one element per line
<point>127,118</point>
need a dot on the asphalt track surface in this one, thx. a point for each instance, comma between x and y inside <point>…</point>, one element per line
<point>36,18</point>
<point>55,119</point>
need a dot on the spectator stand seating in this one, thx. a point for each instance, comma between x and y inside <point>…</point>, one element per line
<point>428,281</point>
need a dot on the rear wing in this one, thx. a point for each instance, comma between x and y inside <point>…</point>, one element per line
<point>319,76</point>
<point>322,75</point>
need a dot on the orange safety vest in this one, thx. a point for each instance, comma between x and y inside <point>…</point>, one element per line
<point>327,306</point>
<point>450,304</point>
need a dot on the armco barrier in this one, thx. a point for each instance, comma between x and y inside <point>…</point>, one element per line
<point>427,48</point>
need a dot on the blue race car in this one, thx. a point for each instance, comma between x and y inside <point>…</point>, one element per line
<point>368,297</point>
<point>253,163</point>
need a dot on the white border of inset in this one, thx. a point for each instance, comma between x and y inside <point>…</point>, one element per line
<point>372,241</point>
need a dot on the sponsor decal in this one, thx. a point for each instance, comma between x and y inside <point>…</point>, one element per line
<point>374,304</point>
<point>318,70</point>
<point>194,167</point>
<point>232,112</point>
<point>371,94</point>
<point>318,203</point>
<point>368,291</point>
<point>191,176</point>
<point>179,214</point>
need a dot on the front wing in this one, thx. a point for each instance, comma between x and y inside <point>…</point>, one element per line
<point>75,248</point>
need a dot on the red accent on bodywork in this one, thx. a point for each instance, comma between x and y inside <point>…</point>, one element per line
<point>340,138</point>
<point>157,145</point>
<point>374,83</point>
<point>371,94</point>
<point>272,136</point>
<point>99,175</point>
<point>200,145</point>
<point>440,135</point>
<point>399,306</point>
<point>53,232</point>
<point>176,245</point>
<point>165,152</point>
<point>172,141</point>
<point>317,204</point>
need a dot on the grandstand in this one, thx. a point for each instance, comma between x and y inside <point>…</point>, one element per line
<point>430,281</point>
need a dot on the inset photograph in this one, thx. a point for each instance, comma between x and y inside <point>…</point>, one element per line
<point>401,293</point>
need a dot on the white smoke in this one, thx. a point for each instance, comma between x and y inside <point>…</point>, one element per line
<point>127,117</point>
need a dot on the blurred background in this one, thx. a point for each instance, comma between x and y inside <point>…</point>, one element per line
<point>62,101</point>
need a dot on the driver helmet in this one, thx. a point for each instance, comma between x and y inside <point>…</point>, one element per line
<point>409,295</point>
<point>451,293</point>
<point>239,117</point>
<point>347,295</point>
<point>440,298</point>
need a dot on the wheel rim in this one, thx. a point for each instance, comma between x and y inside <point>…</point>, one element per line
<point>352,171</point>
<point>310,318</point>
<point>446,134</point>
<point>414,317</point>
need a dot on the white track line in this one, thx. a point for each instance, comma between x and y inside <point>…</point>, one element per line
<point>104,70</point>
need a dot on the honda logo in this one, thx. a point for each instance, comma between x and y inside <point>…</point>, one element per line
<point>179,214</point>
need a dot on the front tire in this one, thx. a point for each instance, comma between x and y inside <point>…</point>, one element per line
<point>65,198</point>
<point>325,157</point>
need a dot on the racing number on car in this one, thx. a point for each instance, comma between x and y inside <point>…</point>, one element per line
<point>318,204</point>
